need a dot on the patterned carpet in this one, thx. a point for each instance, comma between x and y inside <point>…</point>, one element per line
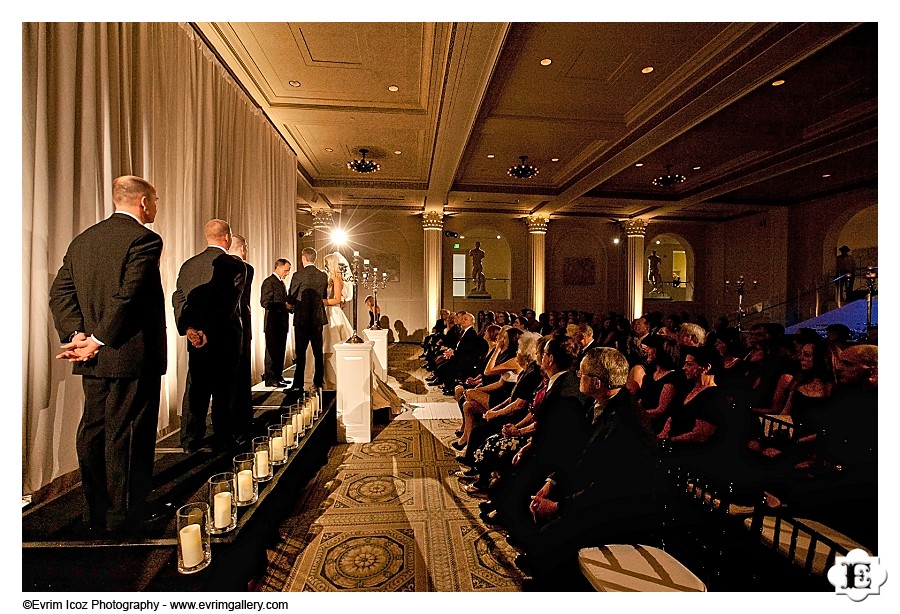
<point>390,515</point>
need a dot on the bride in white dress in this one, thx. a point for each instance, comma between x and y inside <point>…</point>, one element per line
<point>338,329</point>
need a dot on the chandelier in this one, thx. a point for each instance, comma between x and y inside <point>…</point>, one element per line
<point>363,165</point>
<point>522,170</point>
<point>668,180</point>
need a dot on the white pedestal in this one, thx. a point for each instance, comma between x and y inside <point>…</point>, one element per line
<point>354,391</point>
<point>379,337</point>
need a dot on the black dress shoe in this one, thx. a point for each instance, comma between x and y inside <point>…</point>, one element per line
<point>284,382</point>
<point>274,385</point>
<point>486,506</point>
<point>458,446</point>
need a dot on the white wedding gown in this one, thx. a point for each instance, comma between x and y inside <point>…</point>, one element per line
<point>338,330</point>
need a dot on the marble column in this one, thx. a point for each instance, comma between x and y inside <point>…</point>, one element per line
<point>634,292</point>
<point>323,224</point>
<point>433,226</point>
<point>537,234</point>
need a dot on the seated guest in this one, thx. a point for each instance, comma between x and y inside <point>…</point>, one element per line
<point>459,362</point>
<point>768,372</point>
<point>494,387</point>
<point>655,383</point>
<point>561,430</point>
<point>610,496</point>
<point>584,336</point>
<point>513,408</point>
<point>694,418</point>
<point>837,485</point>
<point>731,349</point>
<point>491,334</point>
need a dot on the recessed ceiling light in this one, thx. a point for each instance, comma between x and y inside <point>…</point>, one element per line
<point>498,236</point>
<point>647,70</point>
<point>490,155</point>
<point>696,168</point>
<point>554,159</point>
<point>657,241</point>
<point>398,152</point>
<point>639,164</point>
<point>616,240</point>
<point>778,82</point>
<point>393,88</point>
<point>462,236</point>
<point>825,176</point>
<point>546,62</point>
<point>294,83</point>
<point>328,149</point>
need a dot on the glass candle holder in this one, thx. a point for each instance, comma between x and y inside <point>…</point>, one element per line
<point>290,435</point>
<point>262,465</point>
<point>277,452</point>
<point>222,502</point>
<point>244,485</point>
<point>297,420</point>
<point>194,552</point>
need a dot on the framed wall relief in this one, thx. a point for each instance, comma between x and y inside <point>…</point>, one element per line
<point>388,263</point>
<point>579,271</point>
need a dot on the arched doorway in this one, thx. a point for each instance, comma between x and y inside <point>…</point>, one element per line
<point>674,261</point>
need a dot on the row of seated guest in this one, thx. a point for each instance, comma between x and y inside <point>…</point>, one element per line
<point>707,426</point>
<point>456,356</point>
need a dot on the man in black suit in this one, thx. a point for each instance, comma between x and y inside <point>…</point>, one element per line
<point>207,310</point>
<point>242,408</point>
<point>273,298</point>
<point>462,359</point>
<point>309,286</point>
<point>108,307</point>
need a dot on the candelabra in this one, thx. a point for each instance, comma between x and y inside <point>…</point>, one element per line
<point>352,276</point>
<point>871,278</point>
<point>740,290</point>
<point>373,280</point>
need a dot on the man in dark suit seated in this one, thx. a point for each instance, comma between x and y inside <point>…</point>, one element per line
<point>309,286</point>
<point>207,311</point>
<point>460,361</point>
<point>273,298</point>
<point>611,495</point>
<point>108,306</point>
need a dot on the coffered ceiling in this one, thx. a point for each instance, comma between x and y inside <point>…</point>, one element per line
<point>446,108</point>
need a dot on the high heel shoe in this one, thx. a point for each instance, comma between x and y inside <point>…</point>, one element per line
<point>458,446</point>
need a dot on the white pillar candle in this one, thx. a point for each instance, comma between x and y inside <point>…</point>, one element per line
<point>307,416</point>
<point>261,464</point>
<point>277,449</point>
<point>222,509</point>
<point>191,545</point>
<point>245,485</point>
<point>295,422</point>
<point>289,435</point>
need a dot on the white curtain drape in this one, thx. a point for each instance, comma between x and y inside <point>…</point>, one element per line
<point>103,100</point>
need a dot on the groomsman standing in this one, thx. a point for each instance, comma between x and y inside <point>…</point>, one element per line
<point>207,310</point>
<point>273,298</point>
<point>108,306</point>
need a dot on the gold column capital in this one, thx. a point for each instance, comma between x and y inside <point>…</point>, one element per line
<point>634,228</point>
<point>433,220</point>
<point>537,224</point>
<point>323,219</point>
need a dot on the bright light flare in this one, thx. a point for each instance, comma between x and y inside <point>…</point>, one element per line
<point>339,236</point>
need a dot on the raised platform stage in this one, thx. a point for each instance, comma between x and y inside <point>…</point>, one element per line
<point>59,555</point>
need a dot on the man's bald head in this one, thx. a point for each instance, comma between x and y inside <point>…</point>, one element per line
<point>136,196</point>
<point>218,232</point>
<point>858,364</point>
<point>238,247</point>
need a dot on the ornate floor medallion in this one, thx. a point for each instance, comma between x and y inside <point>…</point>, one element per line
<point>367,563</point>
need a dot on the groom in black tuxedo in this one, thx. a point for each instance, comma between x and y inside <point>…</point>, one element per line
<point>108,306</point>
<point>309,286</point>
